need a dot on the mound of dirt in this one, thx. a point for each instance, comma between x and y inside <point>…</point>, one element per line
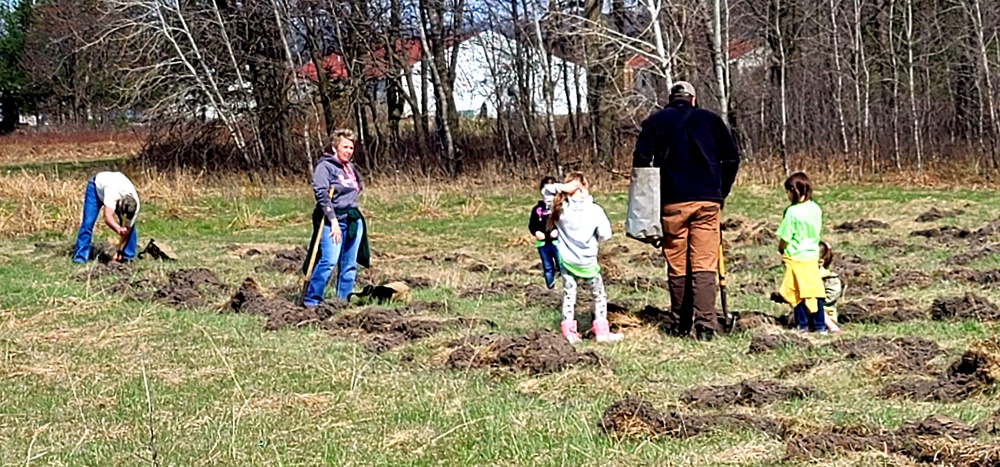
<point>388,328</point>
<point>538,352</point>
<point>250,298</point>
<point>963,259</point>
<point>617,250</point>
<point>865,224</point>
<point>901,354</point>
<point>908,279</point>
<point>732,224</point>
<point>974,373</point>
<point>937,214</point>
<point>853,269</point>
<point>512,269</point>
<point>649,258</point>
<point>942,233</point>
<point>765,342</point>
<point>798,367</point>
<point>890,244</point>
<point>755,393</point>
<point>750,320</point>
<point>478,268</point>
<point>878,311</point>
<point>984,278</point>
<point>921,440</point>
<point>535,294</point>
<point>634,417</point>
<point>286,261</point>
<point>991,425</point>
<point>758,234</point>
<point>971,307</point>
<point>190,288</point>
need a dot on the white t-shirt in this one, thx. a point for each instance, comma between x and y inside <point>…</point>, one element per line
<point>111,187</point>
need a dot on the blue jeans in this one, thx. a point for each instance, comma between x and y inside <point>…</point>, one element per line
<point>550,262</point>
<point>91,209</point>
<point>818,318</point>
<point>343,255</point>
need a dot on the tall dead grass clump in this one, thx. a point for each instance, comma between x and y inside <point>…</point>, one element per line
<point>37,202</point>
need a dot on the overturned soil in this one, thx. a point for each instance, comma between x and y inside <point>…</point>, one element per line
<point>901,355</point>
<point>750,320</point>
<point>908,279</point>
<point>388,328</point>
<point>968,307</point>
<point>190,288</point>
<point>539,352</point>
<point>641,283</point>
<point>634,417</point>
<point>942,233</point>
<point>798,367</point>
<point>250,298</point>
<point>964,259</point>
<point>754,393</point>
<point>937,214</point>
<point>104,270</point>
<point>864,224</point>
<point>853,269</point>
<point>535,294</point>
<point>890,244</point>
<point>879,311</point>
<point>653,258</point>
<point>973,373</point>
<point>926,440</point>
<point>988,277</point>
<point>765,342</point>
<point>758,234</point>
<point>286,261</point>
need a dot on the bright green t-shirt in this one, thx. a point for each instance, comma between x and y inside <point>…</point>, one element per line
<point>801,228</point>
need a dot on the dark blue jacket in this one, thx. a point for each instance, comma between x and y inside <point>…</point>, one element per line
<point>331,174</point>
<point>697,162</point>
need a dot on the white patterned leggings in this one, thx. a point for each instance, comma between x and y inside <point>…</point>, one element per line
<point>569,296</point>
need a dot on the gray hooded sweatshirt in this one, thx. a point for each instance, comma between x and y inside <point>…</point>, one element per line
<point>582,226</point>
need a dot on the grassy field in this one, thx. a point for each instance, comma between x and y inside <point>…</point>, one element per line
<point>94,377</point>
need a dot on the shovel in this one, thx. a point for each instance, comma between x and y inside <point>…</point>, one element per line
<point>730,318</point>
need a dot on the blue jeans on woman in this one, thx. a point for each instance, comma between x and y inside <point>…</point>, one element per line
<point>818,319</point>
<point>550,262</point>
<point>343,255</point>
<point>91,209</point>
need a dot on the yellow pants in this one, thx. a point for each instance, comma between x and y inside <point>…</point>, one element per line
<point>802,283</point>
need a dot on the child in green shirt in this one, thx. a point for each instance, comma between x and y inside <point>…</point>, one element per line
<point>799,234</point>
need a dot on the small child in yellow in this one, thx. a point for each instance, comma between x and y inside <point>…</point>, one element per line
<point>833,285</point>
<point>799,234</point>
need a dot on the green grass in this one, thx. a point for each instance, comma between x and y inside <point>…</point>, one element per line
<point>91,378</point>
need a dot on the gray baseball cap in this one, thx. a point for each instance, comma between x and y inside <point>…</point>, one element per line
<point>682,88</point>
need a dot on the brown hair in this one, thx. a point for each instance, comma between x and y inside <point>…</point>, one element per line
<point>343,133</point>
<point>826,254</point>
<point>546,180</point>
<point>800,188</point>
<point>557,202</point>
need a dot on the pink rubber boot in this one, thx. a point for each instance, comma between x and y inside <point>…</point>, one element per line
<point>569,331</point>
<point>602,332</point>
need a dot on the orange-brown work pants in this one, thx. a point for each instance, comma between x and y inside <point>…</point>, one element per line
<point>691,247</point>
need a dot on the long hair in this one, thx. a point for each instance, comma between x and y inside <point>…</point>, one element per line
<point>826,254</point>
<point>798,185</point>
<point>560,198</point>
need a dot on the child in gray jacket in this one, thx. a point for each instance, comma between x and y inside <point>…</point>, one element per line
<point>582,226</point>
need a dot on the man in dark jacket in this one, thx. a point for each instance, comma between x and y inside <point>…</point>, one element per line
<point>698,160</point>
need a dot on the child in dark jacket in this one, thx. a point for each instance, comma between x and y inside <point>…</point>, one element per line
<point>545,238</point>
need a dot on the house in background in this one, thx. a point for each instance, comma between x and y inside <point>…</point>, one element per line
<point>485,80</point>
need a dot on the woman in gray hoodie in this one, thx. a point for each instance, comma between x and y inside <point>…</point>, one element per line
<point>582,226</point>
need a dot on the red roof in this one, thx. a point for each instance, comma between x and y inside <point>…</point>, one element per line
<point>376,64</point>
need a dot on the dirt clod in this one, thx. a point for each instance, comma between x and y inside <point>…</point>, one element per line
<point>634,417</point>
<point>878,311</point>
<point>286,261</point>
<point>865,224</point>
<point>759,234</point>
<point>970,306</point>
<point>754,393</point>
<point>388,328</point>
<point>250,298</point>
<point>764,342</point>
<point>539,352</point>
<point>418,282</point>
<point>641,283</point>
<point>649,258</point>
<point>907,279</point>
<point>104,270</point>
<point>975,372</point>
<point>902,355</point>
<point>190,288</point>
<point>798,367</point>
<point>963,259</point>
<point>937,214</point>
<point>478,267</point>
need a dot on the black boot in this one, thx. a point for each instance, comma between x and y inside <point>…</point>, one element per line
<point>680,305</point>
<point>705,287</point>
